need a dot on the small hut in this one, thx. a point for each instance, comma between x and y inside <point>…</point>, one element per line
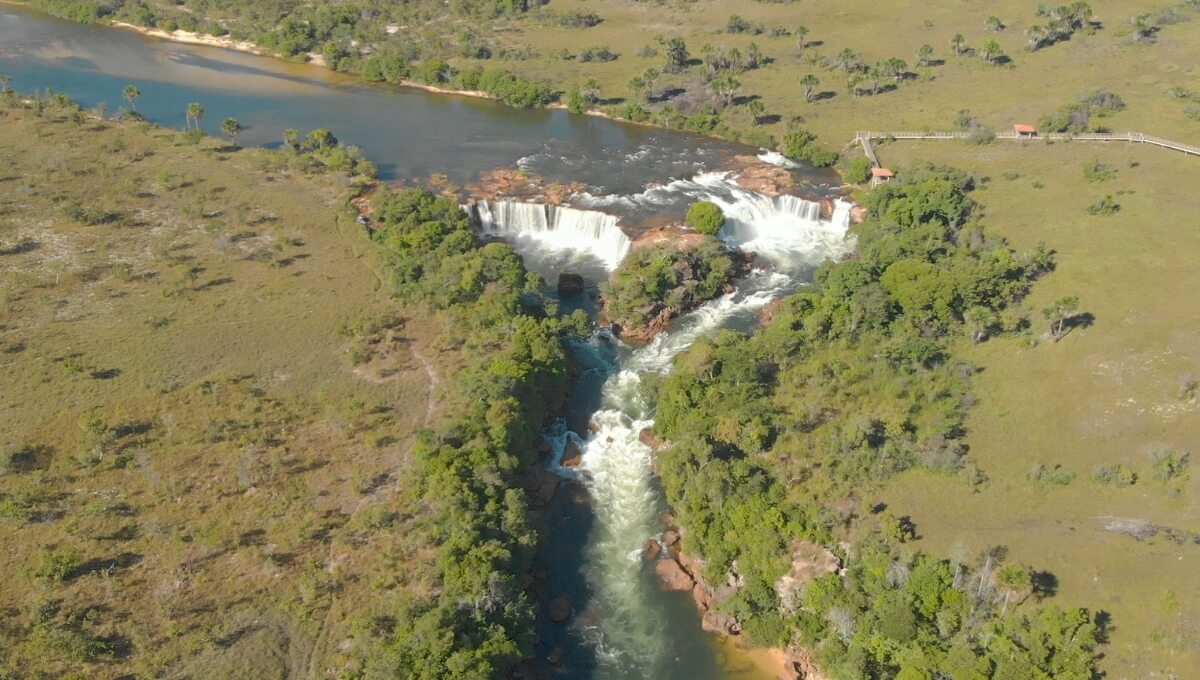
<point>1025,131</point>
<point>881,175</point>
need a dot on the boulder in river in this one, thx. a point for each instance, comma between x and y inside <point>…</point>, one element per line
<point>672,576</point>
<point>570,284</point>
<point>670,537</point>
<point>721,624</point>
<point>560,609</point>
<point>572,456</point>
<point>651,550</point>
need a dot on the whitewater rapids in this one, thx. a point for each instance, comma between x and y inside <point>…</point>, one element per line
<point>632,638</point>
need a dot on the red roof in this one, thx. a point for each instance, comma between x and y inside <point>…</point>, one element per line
<point>1024,128</point>
<point>882,172</point>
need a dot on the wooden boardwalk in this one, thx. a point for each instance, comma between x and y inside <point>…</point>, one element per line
<point>866,139</point>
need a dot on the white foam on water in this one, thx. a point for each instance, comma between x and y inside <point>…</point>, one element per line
<point>555,228</point>
<point>776,158</point>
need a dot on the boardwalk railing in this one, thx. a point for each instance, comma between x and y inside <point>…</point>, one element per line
<point>866,138</point>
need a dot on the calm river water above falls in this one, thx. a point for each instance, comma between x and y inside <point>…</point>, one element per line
<point>623,626</point>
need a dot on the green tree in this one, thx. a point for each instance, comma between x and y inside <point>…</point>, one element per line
<point>958,43</point>
<point>1143,27</point>
<point>194,113</point>
<point>858,170</point>
<point>131,94</point>
<point>290,137</point>
<point>232,128</point>
<point>847,60</point>
<point>1058,314</point>
<point>676,52</point>
<point>809,82</point>
<point>1014,580</point>
<point>724,88</point>
<point>320,140</point>
<point>650,76</point>
<point>802,36</point>
<point>637,87</point>
<point>705,217</point>
<point>757,109</point>
<point>990,51</point>
<point>925,55</point>
<point>979,322</point>
<point>993,25</point>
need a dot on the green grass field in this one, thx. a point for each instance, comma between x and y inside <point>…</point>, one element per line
<point>194,468</point>
<point>1107,394</point>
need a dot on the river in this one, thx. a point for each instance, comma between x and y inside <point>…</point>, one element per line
<point>623,625</point>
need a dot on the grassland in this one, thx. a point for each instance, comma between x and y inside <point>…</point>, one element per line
<point>1108,394</point>
<point>198,478</point>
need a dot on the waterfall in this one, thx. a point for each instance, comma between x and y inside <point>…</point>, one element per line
<point>634,638</point>
<point>556,228</point>
<point>787,231</point>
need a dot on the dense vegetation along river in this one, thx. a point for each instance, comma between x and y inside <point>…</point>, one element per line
<point>624,626</point>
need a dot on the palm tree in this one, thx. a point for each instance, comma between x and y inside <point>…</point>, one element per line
<point>958,42</point>
<point>194,113</point>
<point>993,25</point>
<point>651,76</point>
<point>979,319</point>
<point>757,109</point>
<point>1143,29</point>
<point>1014,579</point>
<point>1038,35</point>
<point>637,86</point>
<point>809,82</point>
<point>5,81</point>
<point>925,55</point>
<point>131,94</point>
<point>290,136</point>
<point>1058,314</point>
<point>990,51</point>
<point>724,87</point>
<point>847,60</point>
<point>801,34</point>
<point>231,127</point>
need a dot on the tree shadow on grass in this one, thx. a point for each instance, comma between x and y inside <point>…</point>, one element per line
<point>1045,584</point>
<point>102,564</point>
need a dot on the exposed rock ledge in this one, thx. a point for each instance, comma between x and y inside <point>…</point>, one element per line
<point>678,572</point>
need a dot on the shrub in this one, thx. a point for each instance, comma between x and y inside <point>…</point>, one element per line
<point>1169,464</point>
<point>634,112</point>
<point>56,565</point>
<point>801,145</point>
<point>1051,474</point>
<point>858,170</point>
<point>1103,207</point>
<point>705,217</point>
<point>597,53</point>
<point>1095,171</point>
<point>1115,475</point>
